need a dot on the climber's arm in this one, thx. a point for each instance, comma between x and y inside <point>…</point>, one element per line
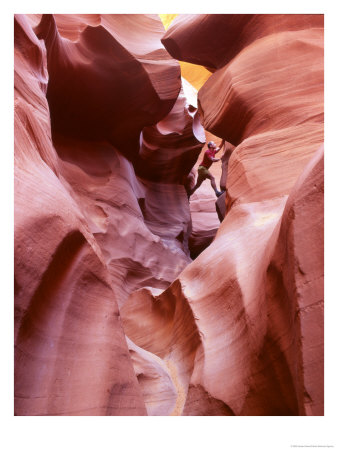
<point>221,146</point>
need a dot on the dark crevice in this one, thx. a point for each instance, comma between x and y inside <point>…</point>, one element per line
<point>200,240</point>
<point>51,281</point>
<point>142,205</point>
<point>180,236</point>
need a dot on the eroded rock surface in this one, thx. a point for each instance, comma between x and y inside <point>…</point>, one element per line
<point>266,98</point>
<point>88,230</point>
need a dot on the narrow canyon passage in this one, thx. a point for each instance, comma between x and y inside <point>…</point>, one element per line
<point>131,298</point>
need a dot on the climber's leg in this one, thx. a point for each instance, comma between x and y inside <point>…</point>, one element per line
<point>213,184</point>
<point>197,185</point>
<point>202,175</point>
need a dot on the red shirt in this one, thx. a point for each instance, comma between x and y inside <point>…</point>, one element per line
<point>207,161</point>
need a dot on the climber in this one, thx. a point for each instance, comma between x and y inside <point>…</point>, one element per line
<point>203,172</point>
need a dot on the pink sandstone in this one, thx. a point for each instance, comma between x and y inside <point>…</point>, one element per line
<point>83,239</point>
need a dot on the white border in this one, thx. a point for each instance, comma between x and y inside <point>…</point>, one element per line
<point>228,433</point>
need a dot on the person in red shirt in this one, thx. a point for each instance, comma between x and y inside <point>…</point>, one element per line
<point>203,172</point>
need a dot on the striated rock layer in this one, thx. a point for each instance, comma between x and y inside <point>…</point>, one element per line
<point>88,229</point>
<point>262,329</point>
<point>68,335</point>
<point>111,315</point>
<point>212,40</point>
<point>259,309</point>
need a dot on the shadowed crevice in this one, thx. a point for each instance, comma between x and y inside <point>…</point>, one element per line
<point>51,281</point>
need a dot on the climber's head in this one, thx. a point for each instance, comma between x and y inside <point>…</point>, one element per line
<point>211,144</point>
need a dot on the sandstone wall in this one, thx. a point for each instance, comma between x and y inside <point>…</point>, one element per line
<point>260,322</point>
<point>89,230</point>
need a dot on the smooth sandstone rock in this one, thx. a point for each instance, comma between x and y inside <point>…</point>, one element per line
<point>100,74</point>
<point>296,284</point>
<point>266,98</point>
<point>88,230</point>
<point>293,76</point>
<point>163,324</point>
<point>212,40</point>
<point>261,320</point>
<point>169,149</point>
<point>71,356</point>
<point>196,75</point>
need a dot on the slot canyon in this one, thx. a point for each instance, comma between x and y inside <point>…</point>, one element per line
<point>132,298</point>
